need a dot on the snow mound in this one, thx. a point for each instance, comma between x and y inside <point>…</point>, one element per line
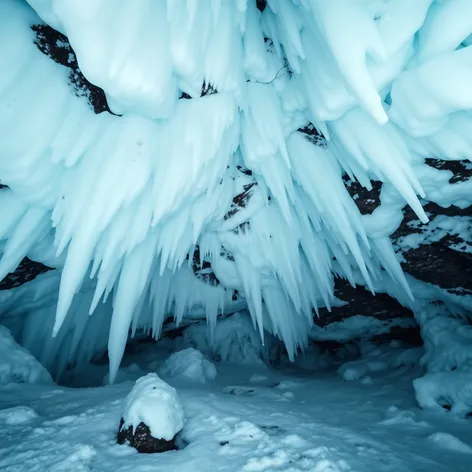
<point>17,415</point>
<point>445,390</point>
<point>189,364</point>
<point>156,404</point>
<point>379,359</point>
<point>233,340</point>
<point>448,341</point>
<point>448,441</point>
<point>17,365</point>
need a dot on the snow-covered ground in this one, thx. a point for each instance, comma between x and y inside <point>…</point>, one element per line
<point>246,419</point>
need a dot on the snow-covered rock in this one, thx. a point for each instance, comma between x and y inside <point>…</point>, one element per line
<point>189,364</point>
<point>152,416</point>
<point>443,391</point>
<point>17,365</point>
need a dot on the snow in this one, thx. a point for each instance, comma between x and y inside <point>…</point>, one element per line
<point>17,415</point>
<point>378,359</point>
<point>325,424</point>
<point>17,365</point>
<point>448,441</point>
<point>189,364</point>
<point>453,390</point>
<point>157,405</point>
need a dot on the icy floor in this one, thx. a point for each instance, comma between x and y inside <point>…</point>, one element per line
<point>246,420</point>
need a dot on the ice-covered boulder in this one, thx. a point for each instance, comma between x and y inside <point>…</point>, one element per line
<point>152,416</point>
<point>442,391</point>
<point>189,364</point>
<point>17,365</point>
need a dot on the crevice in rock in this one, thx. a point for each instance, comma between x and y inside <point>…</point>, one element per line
<point>261,4</point>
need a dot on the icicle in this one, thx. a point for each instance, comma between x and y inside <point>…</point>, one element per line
<point>33,226</point>
<point>130,289</point>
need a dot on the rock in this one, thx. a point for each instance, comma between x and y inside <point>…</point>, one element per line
<point>27,270</point>
<point>56,46</point>
<point>366,200</point>
<point>439,252</point>
<point>142,440</point>
<point>358,301</point>
<point>152,416</point>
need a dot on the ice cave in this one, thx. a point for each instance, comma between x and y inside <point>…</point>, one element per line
<point>236,235</point>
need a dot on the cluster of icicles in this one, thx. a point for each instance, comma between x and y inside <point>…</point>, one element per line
<point>125,200</point>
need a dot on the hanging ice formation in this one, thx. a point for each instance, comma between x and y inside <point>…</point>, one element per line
<point>243,182</point>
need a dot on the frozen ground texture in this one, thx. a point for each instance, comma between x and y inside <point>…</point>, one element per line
<point>247,419</point>
<point>237,183</point>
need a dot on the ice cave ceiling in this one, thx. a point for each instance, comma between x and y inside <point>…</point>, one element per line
<point>192,159</point>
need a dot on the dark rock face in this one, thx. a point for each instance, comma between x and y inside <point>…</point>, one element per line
<point>56,46</point>
<point>313,135</point>
<point>441,258</point>
<point>25,272</point>
<point>240,201</point>
<point>438,264</point>
<point>142,440</point>
<point>461,170</point>
<point>359,301</point>
<point>366,200</point>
